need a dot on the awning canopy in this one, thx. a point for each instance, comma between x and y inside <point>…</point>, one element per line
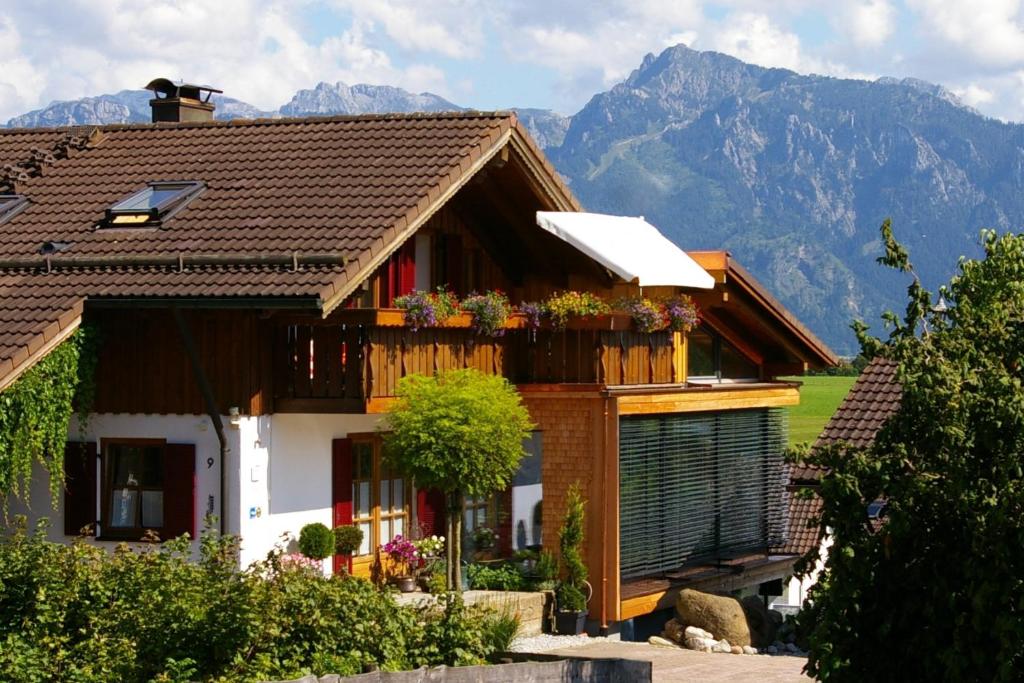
<point>630,247</point>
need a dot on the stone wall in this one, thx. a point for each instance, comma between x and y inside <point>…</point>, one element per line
<point>561,671</point>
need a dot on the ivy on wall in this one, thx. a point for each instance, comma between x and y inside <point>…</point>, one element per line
<point>35,411</point>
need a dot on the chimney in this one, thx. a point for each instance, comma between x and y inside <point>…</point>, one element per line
<point>182,102</point>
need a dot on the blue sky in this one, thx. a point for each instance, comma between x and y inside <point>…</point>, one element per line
<point>487,54</point>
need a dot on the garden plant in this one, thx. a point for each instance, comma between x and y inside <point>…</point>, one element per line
<point>932,590</point>
<point>460,433</point>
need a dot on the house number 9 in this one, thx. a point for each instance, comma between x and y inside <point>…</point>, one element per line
<point>209,463</point>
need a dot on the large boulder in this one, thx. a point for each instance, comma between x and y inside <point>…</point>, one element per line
<point>741,622</point>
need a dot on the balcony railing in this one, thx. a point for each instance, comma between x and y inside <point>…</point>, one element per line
<point>340,366</point>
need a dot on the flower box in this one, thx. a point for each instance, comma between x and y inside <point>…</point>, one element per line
<point>394,317</point>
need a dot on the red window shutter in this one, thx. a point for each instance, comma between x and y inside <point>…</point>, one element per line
<point>341,491</point>
<point>407,268</point>
<point>79,487</point>
<point>179,490</point>
<point>430,511</point>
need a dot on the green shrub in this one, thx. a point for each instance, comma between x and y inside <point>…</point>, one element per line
<point>569,598</point>
<point>316,541</point>
<point>347,539</point>
<point>495,577</point>
<point>500,629</point>
<point>437,583</point>
<point>150,613</point>
<point>546,568</point>
<point>451,634</point>
<point>569,594</point>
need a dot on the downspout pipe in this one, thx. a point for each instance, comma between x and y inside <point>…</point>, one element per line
<point>188,343</point>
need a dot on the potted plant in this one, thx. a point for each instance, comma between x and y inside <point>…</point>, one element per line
<point>402,555</point>
<point>427,309</point>
<point>490,312</point>
<point>347,540</point>
<point>430,549</point>
<point>565,305</point>
<point>316,541</point>
<point>570,600</point>
<point>484,540</point>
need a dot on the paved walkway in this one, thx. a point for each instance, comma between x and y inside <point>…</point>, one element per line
<point>678,664</point>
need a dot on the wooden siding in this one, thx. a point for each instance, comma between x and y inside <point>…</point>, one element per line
<point>342,366</point>
<point>142,365</point>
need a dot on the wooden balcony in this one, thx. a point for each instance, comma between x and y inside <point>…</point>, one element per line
<point>346,364</point>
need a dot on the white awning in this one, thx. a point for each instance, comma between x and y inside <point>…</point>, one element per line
<point>630,247</point>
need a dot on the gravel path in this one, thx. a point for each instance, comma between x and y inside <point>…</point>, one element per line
<point>673,664</point>
<point>547,642</point>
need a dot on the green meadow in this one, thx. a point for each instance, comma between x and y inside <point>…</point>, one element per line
<point>819,398</point>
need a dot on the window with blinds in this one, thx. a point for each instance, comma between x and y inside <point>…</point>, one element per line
<point>699,487</point>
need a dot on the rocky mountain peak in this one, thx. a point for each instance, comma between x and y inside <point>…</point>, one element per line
<point>339,98</point>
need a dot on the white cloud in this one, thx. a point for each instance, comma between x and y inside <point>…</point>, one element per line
<point>991,31</point>
<point>451,28</point>
<point>869,23</point>
<point>254,49</point>
<point>973,94</point>
<point>754,38</point>
<point>262,51</point>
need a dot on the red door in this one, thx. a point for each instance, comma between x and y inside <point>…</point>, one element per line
<point>341,492</point>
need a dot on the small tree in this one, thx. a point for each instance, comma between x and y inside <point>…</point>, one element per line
<point>935,593</point>
<point>571,596</point>
<point>461,433</point>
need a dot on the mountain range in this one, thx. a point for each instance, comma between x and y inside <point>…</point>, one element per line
<point>792,173</point>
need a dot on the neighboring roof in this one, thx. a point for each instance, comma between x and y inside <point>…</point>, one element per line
<point>803,524</point>
<point>630,247</point>
<point>724,268</point>
<point>872,400</point>
<point>350,189</point>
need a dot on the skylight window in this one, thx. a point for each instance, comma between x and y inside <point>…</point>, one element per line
<point>157,202</point>
<point>11,205</point>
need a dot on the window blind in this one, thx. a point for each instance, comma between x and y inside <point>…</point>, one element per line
<point>699,487</point>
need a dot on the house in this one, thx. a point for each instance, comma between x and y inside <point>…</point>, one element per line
<point>872,400</point>
<point>241,276</point>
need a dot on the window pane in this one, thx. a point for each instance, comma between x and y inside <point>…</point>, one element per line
<point>735,365</point>
<point>363,464</point>
<point>363,507</point>
<point>700,354</point>
<point>399,495</point>
<point>367,544</point>
<point>152,509</point>
<point>385,495</point>
<point>127,465</point>
<point>399,526</point>
<point>152,471</point>
<point>151,197</point>
<point>122,507</point>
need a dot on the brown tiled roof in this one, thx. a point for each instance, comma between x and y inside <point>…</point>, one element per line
<point>803,528</point>
<point>351,187</point>
<point>874,397</point>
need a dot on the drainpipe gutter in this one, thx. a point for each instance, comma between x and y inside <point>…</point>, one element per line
<point>212,411</point>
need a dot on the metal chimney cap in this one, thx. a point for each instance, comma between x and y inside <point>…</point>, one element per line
<point>166,88</point>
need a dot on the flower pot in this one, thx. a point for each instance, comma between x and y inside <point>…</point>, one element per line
<point>570,623</point>
<point>406,584</point>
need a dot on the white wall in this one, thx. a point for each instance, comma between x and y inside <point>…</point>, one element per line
<point>796,588</point>
<point>295,487</point>
<point>191,429</point>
